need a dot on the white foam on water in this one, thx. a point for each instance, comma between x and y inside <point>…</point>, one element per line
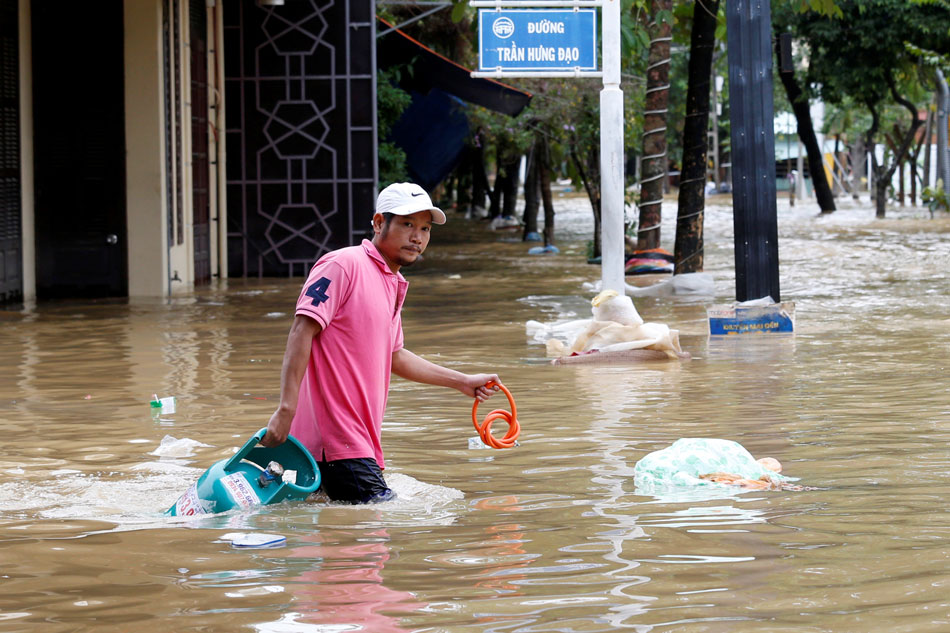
<point>115,497</point>
<point>130,497</point>
<point>411,491</point>
<point>137,496</point>
<point>417,503</point>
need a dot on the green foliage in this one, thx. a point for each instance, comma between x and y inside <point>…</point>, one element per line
<point>821,7</point>
<point>936,197</point>
<point>929,58</point>
<point>857,63</point>
<point>391,102</point>
<point>858,56</point>
<point>459,10</point>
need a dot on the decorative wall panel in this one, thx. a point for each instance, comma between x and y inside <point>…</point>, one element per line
<point>301,131</point>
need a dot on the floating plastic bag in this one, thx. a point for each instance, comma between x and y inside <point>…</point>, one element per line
<point>682,464</point>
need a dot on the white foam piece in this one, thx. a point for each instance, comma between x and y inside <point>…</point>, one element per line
<point>257,540</point>
<point>174,447</point>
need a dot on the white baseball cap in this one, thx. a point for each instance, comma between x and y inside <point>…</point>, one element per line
<point>406,198</point>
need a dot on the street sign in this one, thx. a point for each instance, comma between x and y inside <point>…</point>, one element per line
<point>548,42</point>
<point>537,39</point>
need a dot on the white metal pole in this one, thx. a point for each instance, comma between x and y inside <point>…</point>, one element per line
<point>611,153</point>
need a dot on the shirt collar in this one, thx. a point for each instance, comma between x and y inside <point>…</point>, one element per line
<point>375,255</point>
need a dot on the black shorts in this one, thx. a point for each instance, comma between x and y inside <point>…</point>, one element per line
<point>354,481</point>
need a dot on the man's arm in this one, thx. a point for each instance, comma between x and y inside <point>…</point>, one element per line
<point>296,357</point>
<point>409,366</point>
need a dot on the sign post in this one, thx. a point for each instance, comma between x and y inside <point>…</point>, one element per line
<point>558,38</point>
<point>611,155</point>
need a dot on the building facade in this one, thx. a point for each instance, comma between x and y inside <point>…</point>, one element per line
<point>151,146</point>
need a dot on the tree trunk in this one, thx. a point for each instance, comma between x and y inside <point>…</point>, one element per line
<point>879,186</point>
<point>858,166</point>
<point>900,182</point>
<point>806,132</point>
<point>544,178</point>
<point>654,163</point>
<point>884,173</point>
<point>912,163</point>
<point>880,189</point>
<point>510,191</point>
<point>465,180</point>
<point>688,247</point>
<point>531,201</point>
<point>588,168</point>
<point>480,186</point>
<point>836,174</point>
<point>928,132</point>
<point>494,198</point>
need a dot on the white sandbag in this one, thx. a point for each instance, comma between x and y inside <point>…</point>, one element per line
<point>610,306</point>
<point>615,326</point>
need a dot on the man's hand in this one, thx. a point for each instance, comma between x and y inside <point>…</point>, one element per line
<point>278,428</point>
<point>475,386</point>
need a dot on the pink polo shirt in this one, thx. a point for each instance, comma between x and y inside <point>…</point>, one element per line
<point>356,298</point>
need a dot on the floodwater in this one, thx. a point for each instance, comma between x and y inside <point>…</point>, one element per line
<point>549,536</point>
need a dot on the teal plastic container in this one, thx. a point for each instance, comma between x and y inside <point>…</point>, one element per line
<point>244,481</point>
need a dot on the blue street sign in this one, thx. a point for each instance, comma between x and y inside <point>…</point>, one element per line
<point>537,39</point>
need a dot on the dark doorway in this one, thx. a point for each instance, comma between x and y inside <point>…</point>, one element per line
<point>199,140</point>
<point>79,146</point>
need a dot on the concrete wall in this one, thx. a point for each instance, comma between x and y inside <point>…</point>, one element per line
<point>145,152</point>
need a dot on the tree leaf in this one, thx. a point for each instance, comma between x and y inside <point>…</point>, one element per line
<point>458,11</point>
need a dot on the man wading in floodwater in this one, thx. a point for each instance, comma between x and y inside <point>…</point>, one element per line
<point>345,341</point>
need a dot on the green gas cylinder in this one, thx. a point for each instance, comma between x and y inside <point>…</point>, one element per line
<point>253,476</point>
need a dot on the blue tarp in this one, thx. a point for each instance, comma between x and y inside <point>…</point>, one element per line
<point>432,131</point>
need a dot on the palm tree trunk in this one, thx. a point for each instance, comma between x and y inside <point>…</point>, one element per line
<point>654,165</point>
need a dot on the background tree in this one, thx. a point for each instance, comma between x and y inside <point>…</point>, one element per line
<point>784,17</point>
<point>391,102</point>
<point>864,56</point>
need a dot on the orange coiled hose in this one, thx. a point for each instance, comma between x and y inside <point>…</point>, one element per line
<point>484,429</point>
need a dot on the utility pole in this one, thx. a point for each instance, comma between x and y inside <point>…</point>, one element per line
<point>748,23</point>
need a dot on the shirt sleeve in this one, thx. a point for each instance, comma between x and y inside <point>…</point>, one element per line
<point>323,293</point>
<point>397,335</point>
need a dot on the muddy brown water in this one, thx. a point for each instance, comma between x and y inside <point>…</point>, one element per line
<point>549,536</point>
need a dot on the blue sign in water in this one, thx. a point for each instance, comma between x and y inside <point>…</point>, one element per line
<point>776,318</point>
<point>537,39</point>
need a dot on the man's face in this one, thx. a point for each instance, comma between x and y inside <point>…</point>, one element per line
<point>403,239</point>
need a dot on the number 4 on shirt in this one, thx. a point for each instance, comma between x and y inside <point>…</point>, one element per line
<point>318,291</point>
